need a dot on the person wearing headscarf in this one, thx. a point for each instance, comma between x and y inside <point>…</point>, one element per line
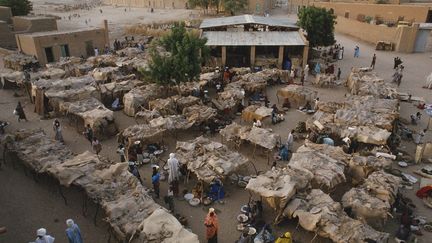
<point>42,236</point>
<point>173,173</point>
<point>19,111</point>
<point>212,226</point>
<point>73,232</point>
<point>155,180</point>
<point>58,131</point>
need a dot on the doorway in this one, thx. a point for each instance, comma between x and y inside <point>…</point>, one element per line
<point>64,50</point>
<point>429,17</point>
<point>238,56</point>
<point>49,54</point>
<point>89,48</point>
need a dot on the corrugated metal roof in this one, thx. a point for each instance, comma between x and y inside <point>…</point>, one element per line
<point>247,19</point>
<point>253,38</point>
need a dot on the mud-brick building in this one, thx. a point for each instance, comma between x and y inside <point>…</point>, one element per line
<point>51,45</point>
<point>248,41</point>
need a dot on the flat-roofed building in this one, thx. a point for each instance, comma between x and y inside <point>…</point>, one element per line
<point>248,40</point>
<point>51,45</point>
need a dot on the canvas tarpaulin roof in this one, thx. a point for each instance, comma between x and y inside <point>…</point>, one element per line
<point>279,185</point>
<point>38,151</point>
<point>259,136</point>
<point>368,119</point>
<point>319,213</point>
<point>207,159</point>
<point>327,163</point>
<point>139,97</point>
<point>256,112</point>
<point>175,122</point>
<point>143,132</point>
<point>297,94</point>
<point>126,202</point>
<point>93,113</point>
<point>198,114</point>
<point>372,201</point>
<point>363,82</point>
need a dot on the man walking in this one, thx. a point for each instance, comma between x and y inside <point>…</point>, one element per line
<point>357,51</point>
<point>373,61</point>
<point>339,73</point>
<point>212,226</point>
<point>73,232</point>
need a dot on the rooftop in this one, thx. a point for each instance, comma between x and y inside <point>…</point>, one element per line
<point>247,19</point>
<point>63,32</point>
<point>253,38</point>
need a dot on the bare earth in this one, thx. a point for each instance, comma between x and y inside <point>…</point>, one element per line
<point>26,205</point>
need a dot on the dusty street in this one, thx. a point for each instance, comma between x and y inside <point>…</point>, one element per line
<point>26,205</point>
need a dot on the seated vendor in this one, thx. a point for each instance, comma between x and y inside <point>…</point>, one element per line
<point>276,115</point>
<point>198,189</point>
<point>217,191</point>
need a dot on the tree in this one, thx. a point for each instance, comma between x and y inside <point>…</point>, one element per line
<point>319,25</point>
<point>205,4</point>
<point>18,7</point>
<point>233,6</point>
<point>184,52</point>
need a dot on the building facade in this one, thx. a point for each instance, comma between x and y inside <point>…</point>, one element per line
<point>253,6</point>
<point>250,41</point>
<point>50,46</point>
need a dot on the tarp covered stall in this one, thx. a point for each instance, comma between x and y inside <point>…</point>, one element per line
<point>364,82</point>
<point>91,112</point>
<point>364,118</point>
<point>19,62</point>
<point>209,160</point>
<point>257,112</point>
<point>320,214</point>
<point>360,167</point>
<point>50,94</point>
<point>327,163</point>
<point>186,101</point>
<point>125,201</point>
<point>297,94</point>
<point>129,209</point>
<point>10,79</point>
<point>171,123</point>
<point>139,97</point>
<point>143,132</point>
<point>228,99</point>
<point>37,151</point>
<point>278,186</point>
<point>199,114</point>
<point>371,202</point>
<point>258,136</point>
<point>111,91</point>
<point>165,107</point>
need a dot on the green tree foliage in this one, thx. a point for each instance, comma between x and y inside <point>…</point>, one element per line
<point>319,25</point>
<point>234,6</point>
<point>184,52</point>
<point>18,7</point>
<point>205,4</point>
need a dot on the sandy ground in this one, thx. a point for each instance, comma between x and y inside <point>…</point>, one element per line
<point>27,205</point>
<point>117,17</point>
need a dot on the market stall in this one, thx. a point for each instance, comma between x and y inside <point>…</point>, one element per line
<point>90,112</point>
<point>296,94</point>
<point>209,160</point>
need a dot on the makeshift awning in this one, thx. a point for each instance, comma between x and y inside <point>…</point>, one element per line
<point>253,38</point>
<point>207,159</point>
